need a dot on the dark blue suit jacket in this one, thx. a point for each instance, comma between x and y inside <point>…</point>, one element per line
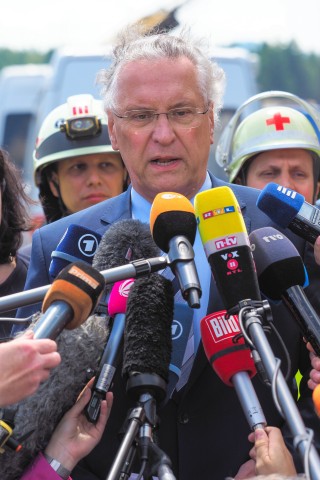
<point>203,430</point>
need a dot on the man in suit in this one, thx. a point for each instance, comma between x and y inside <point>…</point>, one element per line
<point>163,95</point>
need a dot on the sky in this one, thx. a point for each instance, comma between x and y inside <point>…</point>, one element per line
<point>43,25</point>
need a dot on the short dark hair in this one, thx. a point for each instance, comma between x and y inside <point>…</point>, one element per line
<point>15,218</point>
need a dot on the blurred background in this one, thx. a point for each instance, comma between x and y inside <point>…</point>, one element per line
<point>49,51</point>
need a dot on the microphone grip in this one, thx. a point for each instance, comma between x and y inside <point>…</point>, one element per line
<point>249,400</point>
<point>107,368</point>
<point>181,257</point>
<point>301,309</point>
<point>54,320</point>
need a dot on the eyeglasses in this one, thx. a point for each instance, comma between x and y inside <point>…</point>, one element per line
<point>186,117</point>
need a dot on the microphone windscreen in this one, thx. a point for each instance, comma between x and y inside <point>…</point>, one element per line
<point>281,204</point>
<point>147,336</point>
<point>79,285</point>
<point>77,243</point>
<point>172,215</point>
<point>119,296</point>
<point>278,263</point>
<point>226,243</point>
<point>225,349</point>
<point>123,242</point>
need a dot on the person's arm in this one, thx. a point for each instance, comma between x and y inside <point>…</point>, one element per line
<point>73,438</point>
<point>317,250</point>
<point>314,379</point>
<point>25,363</point>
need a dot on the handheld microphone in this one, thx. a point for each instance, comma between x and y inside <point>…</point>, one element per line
<point>123,242</point>
<point>282,275</point>
<point>117,304</point>
<point>288,209</point>
<point>226,243</point>
<point>316,399</point>
<point>77,243</point>
<point>173,226</point>
<point>146,359</point>
<point>70,299</point>
<point>147,336</point>
<point>231,359</point>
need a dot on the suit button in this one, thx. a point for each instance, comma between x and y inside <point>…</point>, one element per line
<point>183,418</point>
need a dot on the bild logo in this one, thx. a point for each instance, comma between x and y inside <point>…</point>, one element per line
<point>88,245</point>
<point>220,328</point>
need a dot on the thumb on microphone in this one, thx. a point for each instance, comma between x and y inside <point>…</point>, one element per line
<point>270,452</point>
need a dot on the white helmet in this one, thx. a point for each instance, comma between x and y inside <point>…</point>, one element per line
<point>78,127</point>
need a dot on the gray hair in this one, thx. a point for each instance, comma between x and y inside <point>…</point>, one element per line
<point>134,43</point>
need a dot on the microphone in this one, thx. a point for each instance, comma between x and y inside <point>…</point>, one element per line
<point>231,359</point>
<point>226,243</point>
<point>70,300</point>
<point>77,243</point>
<point>123,242</point>
<point>147,336</point>
<point>316,399</point>
<point>146,359</point>
<point>282,275</point>
<point>288,209</point>
<point>173,226</point>
<point>117,304</point>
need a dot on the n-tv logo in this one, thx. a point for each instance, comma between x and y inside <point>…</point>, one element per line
<point>226,242</point>
<point>221,328</point>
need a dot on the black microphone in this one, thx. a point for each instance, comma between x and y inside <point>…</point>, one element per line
<point>282,275</point>
<point>70,300</point>
<point>123,242</point>
<point>77,243</point>
<point>117,304</point>
<point>146,359</point>
<point>288,209</point>
<point>174,227</point>
<point>147,336</point>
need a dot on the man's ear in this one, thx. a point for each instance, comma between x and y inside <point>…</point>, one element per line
<point>316,193</point>
<point>112,130</point>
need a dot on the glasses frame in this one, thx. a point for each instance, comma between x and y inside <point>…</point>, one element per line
<point>155,115</point>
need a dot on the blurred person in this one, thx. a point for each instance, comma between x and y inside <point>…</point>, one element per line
<point>73,438</point>
<point>75,165</point>
<point>14,220</point>
<point>162,95</point>
<point>274,144</point>
<point>25,363</point>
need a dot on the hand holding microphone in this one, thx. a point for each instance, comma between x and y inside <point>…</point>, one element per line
<point>25,363</point>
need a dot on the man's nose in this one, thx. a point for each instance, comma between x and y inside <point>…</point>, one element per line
<point>163,132</point>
